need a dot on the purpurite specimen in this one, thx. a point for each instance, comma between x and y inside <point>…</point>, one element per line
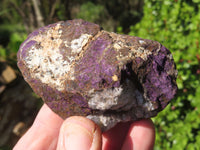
<point>79,69</point>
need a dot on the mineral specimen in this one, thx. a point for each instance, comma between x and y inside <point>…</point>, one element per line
<point>79,69</point>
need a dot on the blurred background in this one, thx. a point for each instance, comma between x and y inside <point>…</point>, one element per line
<point>174,23</point>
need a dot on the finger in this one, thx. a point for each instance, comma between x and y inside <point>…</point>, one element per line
<point>79,133</point>
<point>141,136</point>
<point>113,138</point>
<point>43,134</point>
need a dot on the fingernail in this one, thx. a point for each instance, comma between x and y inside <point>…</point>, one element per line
<point>78,134</point>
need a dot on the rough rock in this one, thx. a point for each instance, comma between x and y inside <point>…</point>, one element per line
<point>79,69</point>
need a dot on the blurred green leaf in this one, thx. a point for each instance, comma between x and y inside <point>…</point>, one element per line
<point>90,12</point>
<point>2,53</point>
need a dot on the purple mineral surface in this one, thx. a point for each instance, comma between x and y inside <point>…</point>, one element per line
<point>79,69</point>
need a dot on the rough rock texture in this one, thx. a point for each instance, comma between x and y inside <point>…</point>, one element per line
<point>79,69</point>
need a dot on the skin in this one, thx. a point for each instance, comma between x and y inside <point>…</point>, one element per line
<point>50,132</point>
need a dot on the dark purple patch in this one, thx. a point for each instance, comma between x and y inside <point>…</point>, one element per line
<point>97,68</point>
<point>158,83</point>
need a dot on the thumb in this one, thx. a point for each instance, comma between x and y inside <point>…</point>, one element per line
<point>79,133</point>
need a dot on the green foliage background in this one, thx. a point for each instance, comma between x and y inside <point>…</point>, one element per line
<point>174,23</point>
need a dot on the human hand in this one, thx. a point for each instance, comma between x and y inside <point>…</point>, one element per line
<point>50,132</point>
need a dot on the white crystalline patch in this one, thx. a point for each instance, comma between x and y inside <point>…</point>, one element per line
<point>141,42</point>
<point>149,106</point>
<point>78,44</point>
<point>105,122</point>
<point>117,45</point>
<point>109,121</point>
<point>47,62</point>
<point>122,97</point>
<point>60,31</point>
<point>142,53</point>
<point>105,99</point>
<point>48,66</point>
